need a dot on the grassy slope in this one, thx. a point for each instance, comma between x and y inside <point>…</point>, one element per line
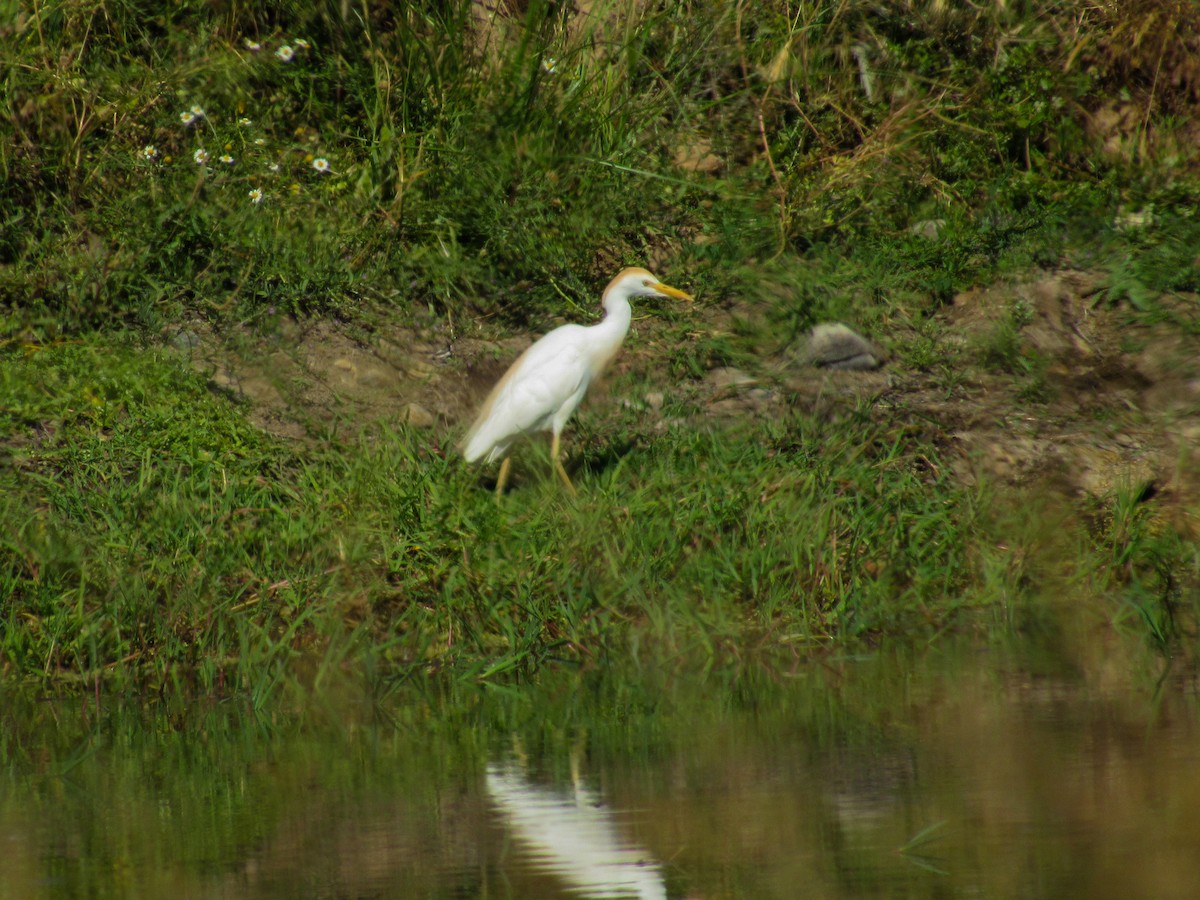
<point>150,532</point>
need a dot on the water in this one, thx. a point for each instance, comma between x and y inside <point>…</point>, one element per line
<point>948,772</point>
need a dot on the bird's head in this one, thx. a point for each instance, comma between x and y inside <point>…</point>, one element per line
<point>636,282</point>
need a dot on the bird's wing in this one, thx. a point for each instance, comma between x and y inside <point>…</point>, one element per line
<point>544,377</point>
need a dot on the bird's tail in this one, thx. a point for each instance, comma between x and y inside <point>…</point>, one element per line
<point>474,444</point>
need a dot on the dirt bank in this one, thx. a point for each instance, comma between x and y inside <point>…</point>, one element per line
<point>1037,381</point>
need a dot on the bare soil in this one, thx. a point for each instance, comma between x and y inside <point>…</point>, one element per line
<point>1102,404</point>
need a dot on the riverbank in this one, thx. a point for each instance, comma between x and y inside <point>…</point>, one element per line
<point>258,273</point>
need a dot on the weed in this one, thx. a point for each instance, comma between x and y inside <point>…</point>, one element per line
<point>238,164</point>
<point>1003,347</point>
<point>159,537</point>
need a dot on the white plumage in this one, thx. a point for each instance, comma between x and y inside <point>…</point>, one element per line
<point>541,390</point>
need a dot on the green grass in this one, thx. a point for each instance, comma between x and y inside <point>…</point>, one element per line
<point>379,162</point>
<point>157,534</point>
<point>158,539</point>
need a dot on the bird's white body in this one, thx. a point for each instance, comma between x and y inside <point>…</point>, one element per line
<point>546,384</point>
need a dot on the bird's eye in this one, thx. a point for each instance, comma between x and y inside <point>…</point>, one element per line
<point>646,282</point>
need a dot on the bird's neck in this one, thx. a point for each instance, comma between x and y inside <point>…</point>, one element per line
<point>618,315</point>
<point>611,331</point>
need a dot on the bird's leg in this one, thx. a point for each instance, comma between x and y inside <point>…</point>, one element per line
<point>502,478</point>
<point>558,466</point>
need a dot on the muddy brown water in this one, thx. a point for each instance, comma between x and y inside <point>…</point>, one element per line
<point>1046,771</point>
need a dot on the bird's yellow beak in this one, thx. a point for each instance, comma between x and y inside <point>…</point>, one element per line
<point>671,292</point>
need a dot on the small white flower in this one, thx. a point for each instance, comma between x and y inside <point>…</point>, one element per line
<point>227,159</point>
<point>259,141</point>
<point>244,121</point>
<point>549,65</point>
<point>252,46</point>
<point>200,156</point>
<point>285,53</point>
<point>187,118</point>
<point>301,43</point>
<point>256,196</point>
<point>149,152</point>
<point>274,167</point>
<point>321,164</point>
<point>198,111</point>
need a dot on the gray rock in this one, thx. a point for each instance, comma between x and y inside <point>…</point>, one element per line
<point>727,377</point>
<point>930,229</point>
<point>185,339</point>
<point>417,416</point>
<point>832,345</point>
<point>726,382</point>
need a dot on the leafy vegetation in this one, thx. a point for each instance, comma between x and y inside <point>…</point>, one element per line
<point>438,155</point>
<point>237,163</point>
<point>158,533</point>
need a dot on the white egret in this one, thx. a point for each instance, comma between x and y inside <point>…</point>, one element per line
<point>546,383</point>
<point>573,835</point>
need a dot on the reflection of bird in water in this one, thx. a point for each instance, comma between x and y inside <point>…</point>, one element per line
<point>541,390</point>
<point>574,836</point>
